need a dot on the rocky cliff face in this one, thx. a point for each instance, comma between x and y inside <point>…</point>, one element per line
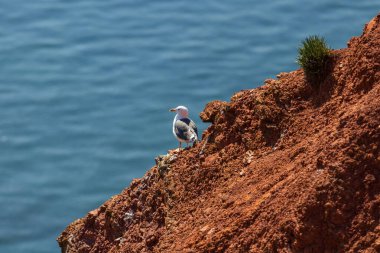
<point>282,168</point>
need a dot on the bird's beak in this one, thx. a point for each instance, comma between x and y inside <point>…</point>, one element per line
<point>172,110</point>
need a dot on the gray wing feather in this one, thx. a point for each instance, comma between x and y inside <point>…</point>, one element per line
<point>184,129</point>
<point>194,127</point>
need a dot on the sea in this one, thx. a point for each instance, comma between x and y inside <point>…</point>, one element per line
<point>86,87</point>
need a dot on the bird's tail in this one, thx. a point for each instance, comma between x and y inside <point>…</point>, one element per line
<point>193,137</point>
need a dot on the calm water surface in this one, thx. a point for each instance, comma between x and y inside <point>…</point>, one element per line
<point>85,88</point>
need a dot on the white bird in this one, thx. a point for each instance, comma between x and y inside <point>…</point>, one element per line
<point>184,129</point>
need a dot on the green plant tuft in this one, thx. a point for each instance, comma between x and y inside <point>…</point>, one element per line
<point>313,57</point>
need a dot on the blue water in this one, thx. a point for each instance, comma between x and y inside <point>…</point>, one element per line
<point>85,88</point>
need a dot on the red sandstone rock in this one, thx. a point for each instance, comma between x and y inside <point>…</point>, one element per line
<point>283,168</point>
<point>213,110</point>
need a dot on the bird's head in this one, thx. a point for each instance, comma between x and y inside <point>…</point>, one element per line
<point>181,110</point>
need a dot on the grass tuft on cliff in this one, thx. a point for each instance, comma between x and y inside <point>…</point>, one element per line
<point>313,57</point>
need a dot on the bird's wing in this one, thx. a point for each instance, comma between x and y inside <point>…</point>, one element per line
<point>194,127</point>
<point>183,130</point>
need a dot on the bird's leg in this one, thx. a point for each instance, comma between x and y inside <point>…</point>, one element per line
<point>179,145</point>
<point>187,144</point>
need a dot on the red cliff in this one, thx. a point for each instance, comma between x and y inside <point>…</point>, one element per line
<point>282,168</point>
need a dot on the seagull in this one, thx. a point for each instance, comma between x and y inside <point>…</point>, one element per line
<point>184,129</point>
